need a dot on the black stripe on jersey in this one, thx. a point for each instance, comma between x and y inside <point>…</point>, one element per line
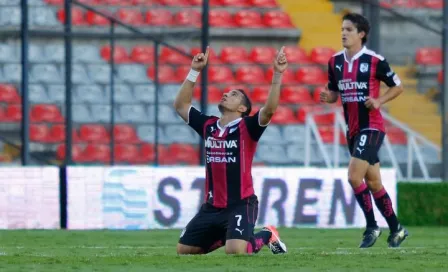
<point>363,111</point>
<point>339,73</point>
<point>233,170</point>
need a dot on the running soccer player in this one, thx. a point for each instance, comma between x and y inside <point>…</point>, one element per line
<point>356,74</point>
<point>229,212</point>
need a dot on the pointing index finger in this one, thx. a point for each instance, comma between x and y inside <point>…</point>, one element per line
<point>207,51</point>
<point>281,50</point>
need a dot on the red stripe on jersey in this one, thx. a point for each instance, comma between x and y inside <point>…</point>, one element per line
<point>248,147</point>
<point>219,174</point>
<point>375,117</point>
<point>353,115</point>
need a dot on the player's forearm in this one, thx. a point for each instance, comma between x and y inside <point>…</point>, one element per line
<point>274,95</point>
<point>185,95</point>
<point>391,94</point>
<point>333,97</point>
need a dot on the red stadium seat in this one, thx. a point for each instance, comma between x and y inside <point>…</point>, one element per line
<point>212,58</point>
<point>429,56</point>
<point>142,54</point>
<point>147,153</point>
<point>234,54</point>
<point>144,2</point>
<point>296,54</point>
<point>260,93</point>
<point>54,2</point>
<point>126,153</point>
<point>13,113</point>
<point>114,2</point>
<point>77,153</point>
<point>94,134</point>
<point>311,75</point>
<point>97,153</point>
<point>283,115</point>
<point>433,4</point>
<point>321,55</point>
<point>184,153</point>
<point>125,134</point>
<point>214,94</point>
<point>255,109</point>
<point>130,16</point>
<point>396,135</point>
<point>39,133</point>
<point>326,133</point>
<point>175,3</point>
<point>296,95</point>
<point>166,74</point>
<point>235,3</point>
<point>77,16</point>
<point>229,88</point>
<point>262,54</point>
<point>249,19</point>
<point>277,19</point>
<point>57,134</point>
<point>252,74</point>
<point>440,77</point>
<point>324,119</point>
<point>159,17</point>
<point>8,94</point>
<point>287,78</point>
<point>168,55</point>
<point>188,17</point>
<point>303,112</point>
<point>3,115</point>
<point>221,18</point>
<point>46,113</point>
<point>96,19</point>
<point>220,74</point>
<point>120,54</point>
<point>263,3</point>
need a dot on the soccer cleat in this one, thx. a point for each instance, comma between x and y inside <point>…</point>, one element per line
<point>370,236</point>
<point>396,238</point>
<point>275,244</point>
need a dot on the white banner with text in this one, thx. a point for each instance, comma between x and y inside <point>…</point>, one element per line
<point>167,197</point>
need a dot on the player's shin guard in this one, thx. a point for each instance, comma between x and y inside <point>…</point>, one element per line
<point>257,241</point>
<point>364,199</point>
<point>384,204</point>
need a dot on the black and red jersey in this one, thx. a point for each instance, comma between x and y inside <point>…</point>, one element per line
<point>356,80</point>
<point>229,153</point>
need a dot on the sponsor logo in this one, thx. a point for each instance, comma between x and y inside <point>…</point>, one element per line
<point>214,143</point>
<point>346,99</point>
<point>240,231</point>
<point>347,86</point>
<point>391,73</point>
<point>339,67</point>
<point>220,159</point>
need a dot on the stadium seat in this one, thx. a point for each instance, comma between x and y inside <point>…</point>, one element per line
<point>235,3</point>
<point>142,54</point>
<point>130,16</point>
<point>249,19</point>
<point>294,133</point>
<point>81,114</point>
<point>120,54</point>
<point>39,133</point>
<point>166,74</point>
<point>188,18</point>
<point>45,73</point>
<point>272,135</point>
<point>159,17</point>
<point>324,119</point>
<point>221,19</point>
<point>283,115</point>
<point>184,154</point>
<point>122,94</point>
<point>147,152</point>
<point>181,134</point>
<point>321,55</point>
<point>429,56</point>
<point>214,94</point>
<point>126,153</point>
<point>13,113</point>
<point>396,135</point>
<point>262,54</point>
<point>46,113</point>
<point>86,53</point>
<point>36,54</point>
<point>132,73</point>
<point>57,134</point>
<point>234,54</point>
<point>243,87</point>
<point>260,94</point>
<point>168,55</point>
<point>252,74</point>
<point>296,95</point>
<point>326,133</point>
<point>8,53</point>
<point>311,75</point>
<point>220,74</point>
<point>125,134</point>
<point>277,19</point>
<point>272,154</point>
<point>174,3</point>
<point>440,77</point>
<point>94,134</point>
<point>12,72</point>
<point>433,4</point>
<point>296,54</point>
<point>146,133</point>
<point>37,94</point>
<point>133,113</point>
<point>3,115</point>
<point>77,152</point>
<point>213,57</point>
<point>95,19</point>
<point>263,3</point>
<point>89,94</point>
<point>97,153</point>
<point>8,94</point>
<point>303,112</point>
<point>99,73</point>
<point>287,78</point>
<point>77,16</point>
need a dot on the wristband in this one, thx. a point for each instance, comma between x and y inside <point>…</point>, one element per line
<point>277,78</point>
<point>193,75</point>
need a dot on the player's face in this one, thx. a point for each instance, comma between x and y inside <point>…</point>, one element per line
<point>233,101</point>
<point>350,35</point>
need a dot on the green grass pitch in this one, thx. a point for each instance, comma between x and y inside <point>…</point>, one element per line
<point>426,249</point>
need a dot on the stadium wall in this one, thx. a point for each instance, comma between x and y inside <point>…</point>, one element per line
<point>168,197</point>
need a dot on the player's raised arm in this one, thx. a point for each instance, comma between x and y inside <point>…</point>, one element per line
<point>280,65</point>
<point>182,102</point>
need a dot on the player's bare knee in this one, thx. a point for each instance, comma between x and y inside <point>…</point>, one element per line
<point>185,250</point>
<point>235,247</point>
<point>374,185</point>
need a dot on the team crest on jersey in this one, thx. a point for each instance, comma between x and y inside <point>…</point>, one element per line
<point>364,67</point>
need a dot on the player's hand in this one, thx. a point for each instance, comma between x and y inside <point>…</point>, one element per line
<point>325,95</point>
<point>280,62</point>
<point>372,103</point>
<point>200,60</point>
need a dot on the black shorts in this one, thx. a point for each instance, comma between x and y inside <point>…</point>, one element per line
<point>366,145</point>
<point>211,224</point>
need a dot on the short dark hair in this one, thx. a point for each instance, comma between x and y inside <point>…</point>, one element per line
<point>361,23</point>
<point>246,102</point>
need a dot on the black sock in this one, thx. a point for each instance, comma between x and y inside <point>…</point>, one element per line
<point>364,199</point>
<point>257,241</point>
<point>384,204</point>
